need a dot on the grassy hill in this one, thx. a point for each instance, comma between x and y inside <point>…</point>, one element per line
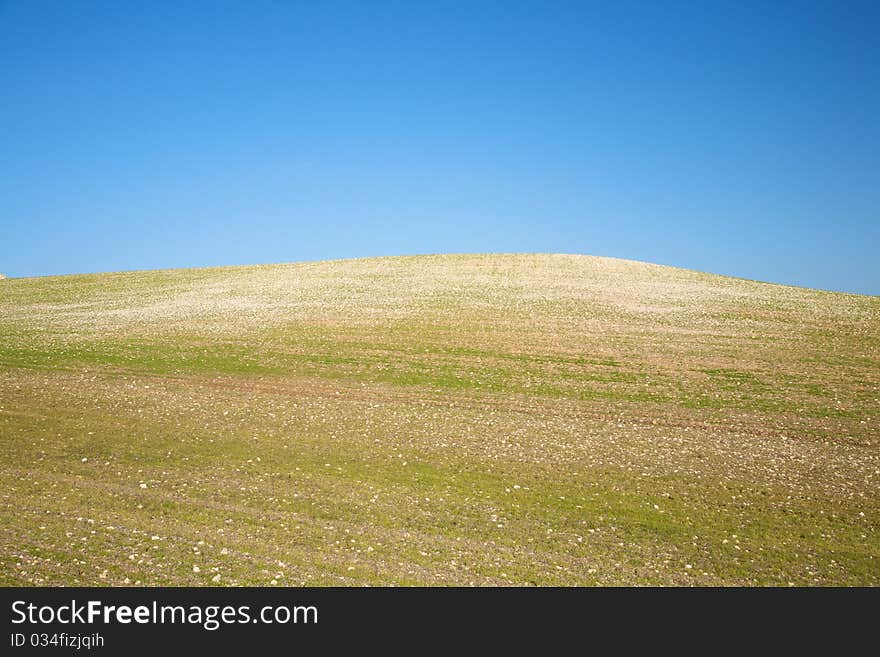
<point>486,419</point>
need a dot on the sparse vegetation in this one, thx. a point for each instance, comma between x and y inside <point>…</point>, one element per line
<point>505,419</point>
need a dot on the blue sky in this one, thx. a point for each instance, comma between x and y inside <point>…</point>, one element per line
<point>738,138</point>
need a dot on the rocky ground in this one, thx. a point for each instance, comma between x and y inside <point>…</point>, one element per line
<point>499,419</point>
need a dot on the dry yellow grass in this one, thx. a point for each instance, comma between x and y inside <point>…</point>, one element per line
<point>522,419</point>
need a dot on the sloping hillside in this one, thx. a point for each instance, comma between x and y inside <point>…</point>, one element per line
<point>487,419</point>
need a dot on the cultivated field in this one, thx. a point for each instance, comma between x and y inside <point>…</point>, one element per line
<point>504,419</point>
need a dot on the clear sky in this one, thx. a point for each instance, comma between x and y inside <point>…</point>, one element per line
<point>741,138</point>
